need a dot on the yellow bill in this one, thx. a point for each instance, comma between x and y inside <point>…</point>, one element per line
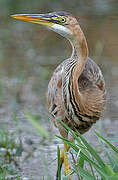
<point>43,19</point>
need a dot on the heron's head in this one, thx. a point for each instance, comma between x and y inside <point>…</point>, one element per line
<point>60,22</point>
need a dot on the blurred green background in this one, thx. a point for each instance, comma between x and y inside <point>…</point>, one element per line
<point>29,53</point>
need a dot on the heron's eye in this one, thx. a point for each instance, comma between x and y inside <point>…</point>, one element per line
<point>60,19</point>
<point>63,20</point>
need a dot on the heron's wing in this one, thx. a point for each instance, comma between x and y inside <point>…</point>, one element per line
<point>54,94</point>
<point>92,87</point>
<point>91,76</point>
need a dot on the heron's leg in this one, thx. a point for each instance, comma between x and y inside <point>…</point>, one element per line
<point>62,155</point>
<point>67,168</point>
<point>67,149</point>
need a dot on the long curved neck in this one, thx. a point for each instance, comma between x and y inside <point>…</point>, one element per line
<point>79,53</point>
<point>72,97</point>
<point>79,48</point>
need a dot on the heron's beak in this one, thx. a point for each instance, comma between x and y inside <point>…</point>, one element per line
<point>43,19</point>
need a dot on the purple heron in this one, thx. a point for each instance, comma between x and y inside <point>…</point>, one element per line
<point>76,91</point>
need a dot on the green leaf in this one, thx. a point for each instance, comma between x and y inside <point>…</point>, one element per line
<point>59,170</point>
<point>81,163</point>
<point>101,171</point>
<point>112,146</point>
<point>45,167</point>
<point>85,174</point>
<point>113,139</point>
<point>109,170</point>
<point>34,122</point>
<point>75,137</point>
<point>92,151</point>
<point>112,161</point>
<point>71,144</point>
<point>115,177</point>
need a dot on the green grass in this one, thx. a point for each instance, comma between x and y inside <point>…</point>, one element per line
<point>33,120</point>
<point>87,163</point>
<point>59,171</point>
<point>10,150</point>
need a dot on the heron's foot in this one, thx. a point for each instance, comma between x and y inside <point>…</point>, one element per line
<point>66,164</point>
<point>68,171</point>
<point>64,159</point>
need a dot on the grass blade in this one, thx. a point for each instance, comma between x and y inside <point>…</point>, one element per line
<point>36,124</point>
<point>59,170</point>
<point>92,151</point>
<point>110,158</point>
<point>81,163</point>
<point>71,144</point>
<point>85,157</point>
<point>101,171</point>
<point>75,137</point>
<point>112,146</point>
<point>85,174</point>
<point>45,167</point>
<point>109,170</point>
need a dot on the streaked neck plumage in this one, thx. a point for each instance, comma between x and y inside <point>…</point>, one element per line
<point>75,68</point>
<point>80,50</point>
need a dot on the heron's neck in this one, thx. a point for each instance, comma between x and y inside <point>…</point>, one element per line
<point>79,54</point>
<point>74,69</point>
<point>79,47</point>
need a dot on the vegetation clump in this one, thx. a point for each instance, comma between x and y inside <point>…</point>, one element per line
<point>84,153</point>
